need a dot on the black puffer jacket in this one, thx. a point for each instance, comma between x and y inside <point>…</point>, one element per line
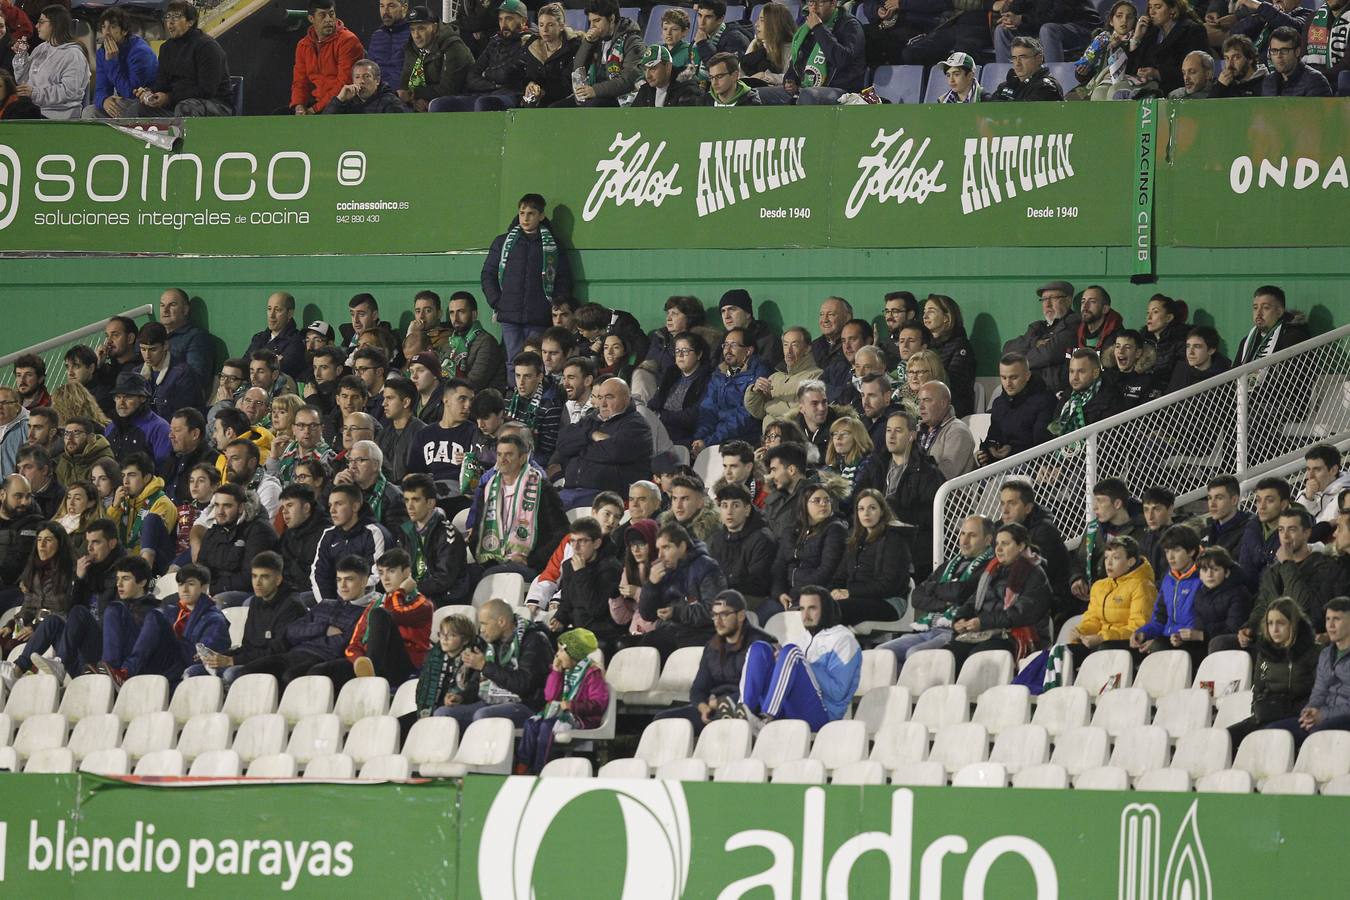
<point>227,551</point>
<point>1284,676</point>
<point>17,537</point>
<point>498,66</point>
<point>747,558</point>
<point>1031,600</point>
<point>880,569</point>
<point>1020,421</point>
<point>958,358</point>
<point>554,74</point>
<point>912,501</point>
<point>526,677</point>
<point>1222,610</point>
<point>719,671</point>
<point>813,559</point>
<point>680,423</point>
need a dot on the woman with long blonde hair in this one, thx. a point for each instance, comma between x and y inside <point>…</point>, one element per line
<point>72,400</point>
<point>766,58</point>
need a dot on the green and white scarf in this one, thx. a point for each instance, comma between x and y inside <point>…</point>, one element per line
<point>816,72</point>
<point>418,77</point>
<point>613,62</point>
<point>958,568</point>
<point>456,360</point>
<point>510,516</point>
<point>507,660</point>
<point>1073,415</point>
<point>571,686</point>
<point>294,454</point>
<point>1317,51</point>
<point>696,59</point>
<point>550,260</point>
<point>1091,538</point>
<point>129,528</point>
<point>1257,345</point>
<point>525,410</point>
<point>375,497</point>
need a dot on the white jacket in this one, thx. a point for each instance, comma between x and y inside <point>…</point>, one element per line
<point>59,76</point>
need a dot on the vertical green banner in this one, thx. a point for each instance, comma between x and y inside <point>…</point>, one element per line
<point>1145,176</point>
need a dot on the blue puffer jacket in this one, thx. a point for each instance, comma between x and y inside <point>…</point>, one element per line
<point>1175,608</point>
<point>310,632</point>
<point>135,65</point>
<point>386,48</point>
<point>722,415</point>
<point>1331,690</point>
<point>206,624</point>
<point>688,591</point>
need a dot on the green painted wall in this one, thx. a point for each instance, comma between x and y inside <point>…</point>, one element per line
<point>994,285</point>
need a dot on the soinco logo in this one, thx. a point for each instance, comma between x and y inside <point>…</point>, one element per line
<point>10,179</point>
<point>655,818</point>
<point>1187,872</point>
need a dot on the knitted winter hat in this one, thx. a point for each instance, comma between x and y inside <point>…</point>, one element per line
<point>579,643</point>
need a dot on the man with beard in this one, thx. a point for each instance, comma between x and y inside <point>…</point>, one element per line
<point>308,443</point>
<point>134,426</point>
<point>435,61</point>
<point>329,364</point>
<point>30,377</point>
<point>18,532</point>
<point>578,381</point>
<point>874,398</point>
<point>385,47</point>
<point>117,354</point>
<point>243,467</point>
<point>82,446</point>
<point>471,353</point>
<point>1049,339</point>
<point>323,59</point>
<point>494,82</point>
<point>1242,73</point>
<point>48,493</point>
<point>230,544</point>
<point>660,87</point>
<point>722,415</point>
<point>1097,320</point>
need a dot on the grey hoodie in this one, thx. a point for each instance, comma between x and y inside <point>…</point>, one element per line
<point>59,76</point>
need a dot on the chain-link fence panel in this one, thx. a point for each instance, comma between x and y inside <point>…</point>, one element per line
<point>53,352</point>
<point>1237,422</point>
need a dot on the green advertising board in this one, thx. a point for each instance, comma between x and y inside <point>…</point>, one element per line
<point>1256,173</point>
<point>538,839</point>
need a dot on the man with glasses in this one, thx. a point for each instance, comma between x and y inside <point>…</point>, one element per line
<point>1291,78</point>
<point>365,469</point>
<point>724,75</point>
<point>372,367</point>
<point>82,445</point>
<point>356,426</point>
<point>1029,78</point>
<point>308,443</point>
<point>722,415</point>
<point>194,75</point>
<point>1047,342</point>
<point>231,382</point>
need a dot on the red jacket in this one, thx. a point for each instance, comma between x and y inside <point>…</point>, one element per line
<point>17,22</point>
<point>321,69</point>
<point>413,618</point>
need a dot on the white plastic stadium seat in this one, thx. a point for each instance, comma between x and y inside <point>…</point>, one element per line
<point>1324,755</point>
<point>633,669</point>
<point>1182,712</point>
<point>41,732</point>
<point>94,733</point>
<point>840,743</point>
<point>1021,747</point>
<point>623,768</point>
<point>1099,672</point>
<point>1265,753</point>
<point>372,737</point>
<point>148,733</point>
<point>787,628</point>
<point>196,695</point>
<point>683,770</point>
<point>1163,672</point>
<point>956,746</point>
<point>577,513</point>
<point>9,760</point>
<point>942,705</point>
<point>1122,709</point>
<point>32,695</point>
<point>405,699</point>
<point>1080,749</point>
<point>1045,777</point>
<point>1229,781</point>
<point>160,764</point>
<point>860,772</point>
<point>361,698</point>
<point>1003,707</point>
<point>1167,780</point>
<point>926,668</point>
<point>1102,778</point>
<point>315,736</point>
<point>60,761</point>
<point>878,670</point>
<point>722,741</point>
<point>781,741</point>
<point>334,765</point>
<point>981,775</point>
<point>800,771</point>
<point>275,765</point>
<point>309,695</point>
<point>507,586</point>
<point>900,744</point>
<point>664,740</point>
<point>433,739</point>
<point>1139,749</point>
<point>1229,670</point>
<point>602,732</point>
<point>6,730</point>
<point>920,774</point>
<point>251,695</point>
<point>984,670</point>
<point>260,736</point>
<point>142,694</point>
<point>485,747</point>
<point>237,616</point>
<point>742,771</point>
<point>389,767</point>
<point>1337,787</point>
<point>202,733</point>
<point>109,762</point>
<point>88,695</point>
<point>677,677</point>
<point>217,764</point>
<point>564,767</point>
<point>1203,752</point>
<point>881,705</point>
<point>1232,708</point>
<point>1062,708</point>
<point>1288,783</point>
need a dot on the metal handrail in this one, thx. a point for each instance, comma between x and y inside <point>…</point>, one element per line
<point>1083,435</point>
<point>70,336</point>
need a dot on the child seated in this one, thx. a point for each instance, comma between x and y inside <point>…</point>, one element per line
<point>575,695</point>
<point>1175,610</point>
<point>1221,605</point>
<point>1120,603</point>
<point>445,680</point>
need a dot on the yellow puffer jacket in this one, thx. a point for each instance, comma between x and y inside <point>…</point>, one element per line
<point>126,515</point>
<point>1120,606</point>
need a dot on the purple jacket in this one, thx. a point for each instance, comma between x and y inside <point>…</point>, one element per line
<point>592,698</point>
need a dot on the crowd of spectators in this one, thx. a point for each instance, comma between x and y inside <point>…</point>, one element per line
<point>496,56</point>
<point>342,483</point>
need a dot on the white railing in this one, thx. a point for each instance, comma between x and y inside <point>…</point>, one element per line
<point>53,350</point>
<point>1249,419</point>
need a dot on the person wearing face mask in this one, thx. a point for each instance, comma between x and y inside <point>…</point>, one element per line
<point>1048,340</point>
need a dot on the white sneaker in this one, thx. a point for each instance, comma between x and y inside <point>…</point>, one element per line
<point>9,673</point>
<point>50,666</point>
